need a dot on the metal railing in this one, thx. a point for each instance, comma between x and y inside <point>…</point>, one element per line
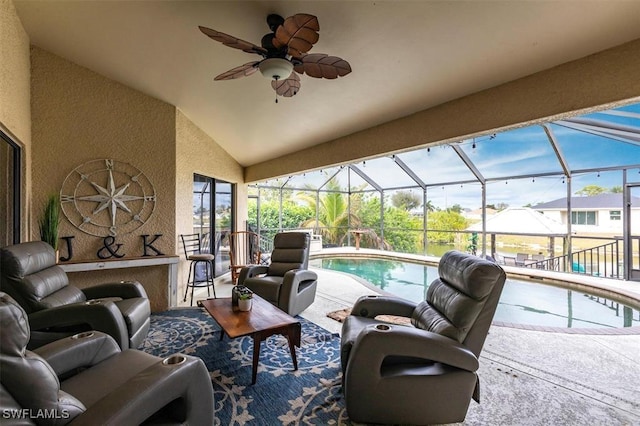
<point>605,260</point>
<point>265,239</point>
<point>266,244</point>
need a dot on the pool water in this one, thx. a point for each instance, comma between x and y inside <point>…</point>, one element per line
<point>521,302</point>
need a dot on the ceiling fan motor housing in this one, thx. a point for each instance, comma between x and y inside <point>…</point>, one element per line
<point>274,21</point>
<point>272,51</point>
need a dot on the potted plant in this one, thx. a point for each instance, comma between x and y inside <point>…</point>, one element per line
<point>50,220</point>
<point>244,301</point>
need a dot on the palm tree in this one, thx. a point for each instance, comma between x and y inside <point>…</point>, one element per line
<point>430,207</point>
<point>332,212</point>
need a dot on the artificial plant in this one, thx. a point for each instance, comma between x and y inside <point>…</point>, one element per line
<point>50,220</point>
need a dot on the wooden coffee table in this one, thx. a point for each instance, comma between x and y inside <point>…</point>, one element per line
<point>262,321</point>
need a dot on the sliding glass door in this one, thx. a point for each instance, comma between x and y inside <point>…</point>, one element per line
<point>213,224</point>
<point>224,208</point>
<point>10,161</point>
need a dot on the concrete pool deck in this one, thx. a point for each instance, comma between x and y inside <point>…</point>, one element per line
<point>528,377</point>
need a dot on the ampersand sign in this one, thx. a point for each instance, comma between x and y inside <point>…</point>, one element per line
<point>109,242</point>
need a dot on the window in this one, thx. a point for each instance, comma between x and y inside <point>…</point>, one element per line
<point>615,215</point>
<point>583,218</point>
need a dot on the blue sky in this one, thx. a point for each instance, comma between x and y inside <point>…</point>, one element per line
<point>525,151</point>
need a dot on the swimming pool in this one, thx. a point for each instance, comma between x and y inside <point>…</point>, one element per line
<point>521,302</point>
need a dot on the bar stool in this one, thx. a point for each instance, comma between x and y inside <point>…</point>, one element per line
<point>192,246</point>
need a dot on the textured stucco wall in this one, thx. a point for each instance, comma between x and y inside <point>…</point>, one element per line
<point>79,116</point>
<point>15,108</point>
<point>606,78</point>
<point>197,153</point>
<point>15,95</point>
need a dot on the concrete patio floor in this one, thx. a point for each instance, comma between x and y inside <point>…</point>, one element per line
<point>527,377</point>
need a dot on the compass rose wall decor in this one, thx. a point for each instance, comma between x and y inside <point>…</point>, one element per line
<point>107,198</point>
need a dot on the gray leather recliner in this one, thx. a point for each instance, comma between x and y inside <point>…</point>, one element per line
<point>30,275</point>
<point>87,380</point>
<point>424,373</point>
<point>286,282</point>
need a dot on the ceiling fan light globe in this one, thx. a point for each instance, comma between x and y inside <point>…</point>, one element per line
<point>276,68</point>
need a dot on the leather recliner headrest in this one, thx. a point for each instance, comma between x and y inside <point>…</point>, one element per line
<point>27,258</point>
<point>284,240</point>
<point>470,275</point>
<point>15,327</point>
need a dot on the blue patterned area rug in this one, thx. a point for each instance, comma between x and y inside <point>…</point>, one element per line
<point>310,395</point>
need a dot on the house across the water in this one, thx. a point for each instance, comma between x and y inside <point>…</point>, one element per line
<point>601,215</point>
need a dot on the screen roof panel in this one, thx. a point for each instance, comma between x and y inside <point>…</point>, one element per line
<point>518,152</point>
<point>437,165</point>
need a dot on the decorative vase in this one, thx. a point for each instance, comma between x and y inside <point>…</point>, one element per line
<point>244,304</point>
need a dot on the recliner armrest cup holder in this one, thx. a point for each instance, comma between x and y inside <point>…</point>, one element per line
<point>382,327</point>
<point>174,360</point>
<point>83,335</point>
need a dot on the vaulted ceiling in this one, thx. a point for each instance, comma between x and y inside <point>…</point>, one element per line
<point>406,56</point>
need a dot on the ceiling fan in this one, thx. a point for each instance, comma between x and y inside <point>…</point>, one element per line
<point>283,50</point>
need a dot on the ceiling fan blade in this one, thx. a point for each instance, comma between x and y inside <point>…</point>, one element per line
<point>320,65</point>
<point>241,71</point>
<point>232,41</point>
<point>298,32</point>
<point>287,87</point>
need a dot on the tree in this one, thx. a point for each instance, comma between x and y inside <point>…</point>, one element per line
<point>443,221</point>
<point>616,190</point>
<point>273,192</point>
<point>407,200</point>
<point>499,207</point>
<point>293,216</point>
<point>591,190</point>
<point>398,223</point>
<point>457,208</point>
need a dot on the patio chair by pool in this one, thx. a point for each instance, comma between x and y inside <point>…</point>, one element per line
<point>244,250</point>
<point>510,261</point>
<point>536,261</point>
<point>425,373</point>
<point>286,282</point>
<point>521,258</point>
<point>538,257</point>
